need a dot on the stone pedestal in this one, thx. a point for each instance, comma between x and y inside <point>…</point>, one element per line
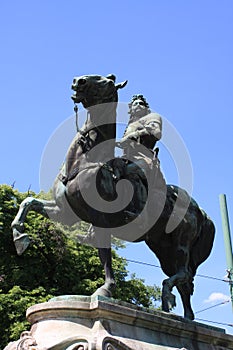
<point>97,323</point>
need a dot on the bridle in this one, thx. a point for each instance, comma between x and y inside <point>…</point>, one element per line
<point>104,100</point>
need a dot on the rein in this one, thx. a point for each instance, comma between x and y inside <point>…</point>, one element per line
<point>76,117</point>
<point>84,139</point>
<point>84,142</point>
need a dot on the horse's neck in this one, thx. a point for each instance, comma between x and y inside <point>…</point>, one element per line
<point>102,118</point>
<point>103,121</point>
<point>99,127</point>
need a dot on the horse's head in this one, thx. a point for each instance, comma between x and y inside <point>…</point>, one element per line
<point>91,90</point>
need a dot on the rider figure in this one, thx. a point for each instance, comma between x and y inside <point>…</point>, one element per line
<point>145,130</point>
<point>139,140</point>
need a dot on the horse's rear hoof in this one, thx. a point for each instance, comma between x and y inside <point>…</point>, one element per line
<point>103,292</point>
<point>168,302</point>
<point>21,243</point>
<point>189,315</point>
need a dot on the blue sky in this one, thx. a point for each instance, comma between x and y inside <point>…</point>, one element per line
<point>178,54</point>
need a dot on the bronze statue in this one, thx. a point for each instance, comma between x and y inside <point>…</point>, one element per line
<point>181,249</point>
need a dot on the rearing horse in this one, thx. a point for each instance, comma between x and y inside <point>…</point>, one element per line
<point>180,251</point>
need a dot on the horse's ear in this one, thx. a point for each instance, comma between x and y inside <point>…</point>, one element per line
<point>112,77</point>
<point>121,85</point>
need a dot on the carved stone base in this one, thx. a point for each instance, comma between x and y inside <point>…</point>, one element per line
<point>98,323</point>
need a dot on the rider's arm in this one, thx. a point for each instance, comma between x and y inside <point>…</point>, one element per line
<point>154,126</point>
<point>151,125</point>
<point>132,131</point>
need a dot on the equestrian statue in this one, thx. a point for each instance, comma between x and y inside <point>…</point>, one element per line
<point>92,180</point>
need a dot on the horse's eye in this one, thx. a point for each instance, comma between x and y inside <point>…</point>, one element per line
<point>82,81</point>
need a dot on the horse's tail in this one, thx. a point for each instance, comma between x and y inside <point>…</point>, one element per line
<point>203,246</point>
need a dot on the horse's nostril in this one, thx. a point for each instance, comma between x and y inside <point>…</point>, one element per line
<point>82,81</point>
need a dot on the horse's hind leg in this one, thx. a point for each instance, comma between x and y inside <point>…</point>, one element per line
<point>168,299</point>
<point>186,290</point>
<point>182,280</point>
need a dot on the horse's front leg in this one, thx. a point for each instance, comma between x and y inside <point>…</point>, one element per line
<point>105,255</point>
<point>100,239</point>
<point>43,207</point>
<point>103,243</point>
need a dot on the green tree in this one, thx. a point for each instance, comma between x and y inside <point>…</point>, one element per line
<point>54,264</point>
<point>12,310</point>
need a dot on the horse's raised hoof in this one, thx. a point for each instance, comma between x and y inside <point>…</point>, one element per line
<point>21,243</point>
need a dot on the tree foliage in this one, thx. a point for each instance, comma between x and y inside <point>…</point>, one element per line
<point>12,310</point>
<point>54,264</point>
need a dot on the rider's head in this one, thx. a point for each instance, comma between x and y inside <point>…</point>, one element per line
<point>138,107</point>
